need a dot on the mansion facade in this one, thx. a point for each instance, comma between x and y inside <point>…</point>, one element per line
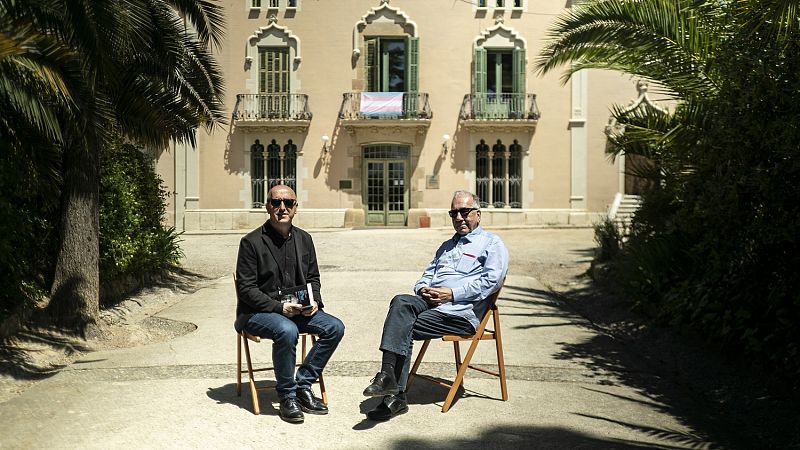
<point>375,111</point>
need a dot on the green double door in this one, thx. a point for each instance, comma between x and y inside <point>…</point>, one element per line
<point>386,190</point>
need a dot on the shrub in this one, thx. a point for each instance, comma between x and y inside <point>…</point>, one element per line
<point>133,243</point>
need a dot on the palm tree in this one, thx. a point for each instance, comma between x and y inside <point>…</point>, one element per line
<point>142,68</point>
<point>715,247</point>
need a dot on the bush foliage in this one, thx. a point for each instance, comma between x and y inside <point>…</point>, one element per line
<point>133,243</point>
<point>715,245</point>
<point>132,207</point>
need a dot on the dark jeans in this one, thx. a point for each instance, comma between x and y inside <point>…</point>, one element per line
<point>284,333</point>
<point>410,318</point>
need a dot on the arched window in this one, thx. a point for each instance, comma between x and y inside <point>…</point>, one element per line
<point>515,175</point>
<point>482,172</point>
<point>271,167</point>
<point>498,174</point>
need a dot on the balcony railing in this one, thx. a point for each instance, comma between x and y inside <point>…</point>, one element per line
<point>385,105</point>
<point>257,107</point>
<point>499,107</point>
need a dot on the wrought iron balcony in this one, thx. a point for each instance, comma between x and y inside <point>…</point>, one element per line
<point>261,108</point>
<point>492,107</point>
<point>385,105</point>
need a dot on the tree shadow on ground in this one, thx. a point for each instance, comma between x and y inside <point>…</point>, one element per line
<point>527,437</point>
<point>39,349</point>
<point>724,400</point>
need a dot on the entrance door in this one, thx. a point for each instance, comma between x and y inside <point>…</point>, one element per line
<point>386,196</point>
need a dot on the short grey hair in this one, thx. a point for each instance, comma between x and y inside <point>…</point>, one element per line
<point>476,202</point>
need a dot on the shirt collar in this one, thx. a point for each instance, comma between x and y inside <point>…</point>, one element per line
<point>469,236</point>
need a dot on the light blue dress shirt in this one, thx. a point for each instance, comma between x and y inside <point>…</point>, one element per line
<point>473,266</point>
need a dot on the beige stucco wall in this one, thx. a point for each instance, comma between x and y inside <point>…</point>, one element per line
<point>321,35</point>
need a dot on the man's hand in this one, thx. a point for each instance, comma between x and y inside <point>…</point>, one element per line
<point>311,311</point>
<point>291,309</point>
<point>436,296</point>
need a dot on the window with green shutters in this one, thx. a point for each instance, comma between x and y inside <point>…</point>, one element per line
<point>273,81</point>
<point>392,64</point>
<point>499,83</point>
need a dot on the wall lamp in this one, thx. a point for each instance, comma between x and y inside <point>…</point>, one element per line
<point>445,143</point>
<point>325,140</point>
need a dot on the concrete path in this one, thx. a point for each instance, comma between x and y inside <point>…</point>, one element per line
<point>181,393</point>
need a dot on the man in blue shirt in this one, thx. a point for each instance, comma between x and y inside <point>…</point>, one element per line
<point>450,298</point>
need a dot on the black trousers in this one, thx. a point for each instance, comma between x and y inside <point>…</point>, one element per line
<point>410,318</point>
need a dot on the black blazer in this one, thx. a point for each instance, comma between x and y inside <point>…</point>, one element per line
<point>258,278</point>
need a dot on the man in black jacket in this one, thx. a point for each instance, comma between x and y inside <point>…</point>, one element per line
<point>272,259</point>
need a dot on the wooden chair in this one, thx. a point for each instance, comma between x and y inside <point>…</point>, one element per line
<point>481,334</point>
<point>242,339</point>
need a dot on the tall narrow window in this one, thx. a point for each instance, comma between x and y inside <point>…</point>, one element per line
<point>255,3</point>
<point>482,173</point>
<point>274,3</point>
<point>392,65</point>
<point>273,82</point>
<point>290,165</point>
<point>257,173</point>
<point>498,175</point>
<point>270,167</point>
<point>515,175</point>
<point>386,65</point>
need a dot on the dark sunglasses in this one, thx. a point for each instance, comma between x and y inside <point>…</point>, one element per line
<point>276,202</point>
<point>463,211</point>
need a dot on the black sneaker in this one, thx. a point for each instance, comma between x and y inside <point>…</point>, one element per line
<point>309,403</point>
<point>383,384</point>
<point>290,411</point>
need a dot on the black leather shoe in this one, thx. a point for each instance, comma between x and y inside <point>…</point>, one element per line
<point>290,411</point>
<point>383,384</point>
<point>309,403</point>
<point>392,405</point>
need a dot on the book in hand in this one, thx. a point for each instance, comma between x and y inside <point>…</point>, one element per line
<point>298,294</point>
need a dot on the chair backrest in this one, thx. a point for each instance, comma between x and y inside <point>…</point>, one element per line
<point>491,302</point>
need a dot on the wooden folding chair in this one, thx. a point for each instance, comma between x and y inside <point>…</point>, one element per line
<point>241,341</point>
<point>481,334</point>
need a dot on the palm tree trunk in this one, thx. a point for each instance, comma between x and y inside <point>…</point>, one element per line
<point>74,296</point>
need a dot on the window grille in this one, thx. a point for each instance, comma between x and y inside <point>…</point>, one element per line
<point>498,174</point>
<point>270,167</point>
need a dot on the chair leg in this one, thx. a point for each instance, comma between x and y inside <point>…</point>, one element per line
<point>417,363</point>
<point>238,365</point>
<point>501,364</point>
<point>253,390</point>
<point>321,380</point>
<point>457,353</point>
<point>460,376</point>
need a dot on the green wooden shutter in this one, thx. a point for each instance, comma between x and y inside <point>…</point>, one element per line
<point>411,103</point>
<point>372,64</point>
<point>479,62</point>
<point>519,70</point>
<point>412,68</point>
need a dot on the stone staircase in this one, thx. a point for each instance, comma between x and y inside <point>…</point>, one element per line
<point>621,212</point>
